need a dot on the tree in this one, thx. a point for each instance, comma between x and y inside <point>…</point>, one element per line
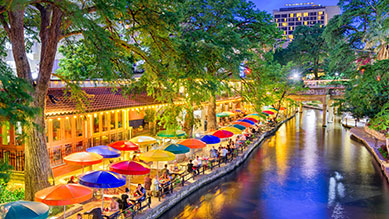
<point>106,28</point>
<point>368,92</point>
<point>269,83</point>
<point>307,48</point>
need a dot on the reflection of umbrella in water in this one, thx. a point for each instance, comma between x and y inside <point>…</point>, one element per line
<point>103,180</point>
<point>83,158</point>
<point>62,195</point>
<point>24,210</point>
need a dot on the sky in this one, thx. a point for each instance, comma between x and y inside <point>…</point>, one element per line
<point>270,5</point>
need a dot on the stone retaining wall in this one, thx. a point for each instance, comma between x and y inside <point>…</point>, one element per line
<point>185,191</point>
<point>375,133</point>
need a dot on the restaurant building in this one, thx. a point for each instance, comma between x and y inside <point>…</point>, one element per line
<point>109,116</point>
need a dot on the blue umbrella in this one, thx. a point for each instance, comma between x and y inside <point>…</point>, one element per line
<point>24,210</point>
<point>246,120</point>
<point>241,127</point>
<point>177,149</point>
<point>102,179</point>
<point>105,151</point>
<point>210,139</point>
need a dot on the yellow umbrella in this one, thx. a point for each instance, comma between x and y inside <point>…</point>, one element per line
<point>229,113</point>
<point>157,155</point>
<point>254,117</point>
<point>232,129</point>
<point>143,140</point>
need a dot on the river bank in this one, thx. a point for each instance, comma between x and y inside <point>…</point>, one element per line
<point>372,144</point>
<point>203,180</point>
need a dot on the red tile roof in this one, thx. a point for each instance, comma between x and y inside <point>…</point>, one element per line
<point>100,99</point>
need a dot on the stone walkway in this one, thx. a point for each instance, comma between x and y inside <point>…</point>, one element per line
<point>372,144</point>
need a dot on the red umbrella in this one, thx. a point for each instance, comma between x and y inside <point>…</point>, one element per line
<point>245,124</point>
<point>125,145</point>
<point>223,134</point>
<point>251,119</point>
<point>268,112</point>
<point>193,143</point>
<point>130,168</point>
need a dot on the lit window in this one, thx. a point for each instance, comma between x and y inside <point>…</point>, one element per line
<point>284,19</point>
<point>284,32</point>
<point>305,22</point>
<point>290,36</point>
<point>291,15</point>
<point>299,19</point>
<point>305,14</point>
<point>319,17</point>
<point>321,25</point>
<point>276,20</point>
<point>5,133</point>
<point>298,15</point>
<point>320,12</point>
<point>291,28</point>
<point>284,24</point>
<point>68,128</point>
<point>57,130</point>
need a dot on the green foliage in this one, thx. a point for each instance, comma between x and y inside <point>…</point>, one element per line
<point>269,83</point>
<point>308,49</point>
<point>368,93</point>
<point>6,194</point>
<point>15,97</point>
<point>381,121</point>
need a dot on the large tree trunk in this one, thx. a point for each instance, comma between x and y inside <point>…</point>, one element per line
<point>211,113</point>
<point>189,122</point>
<point>37,161</point>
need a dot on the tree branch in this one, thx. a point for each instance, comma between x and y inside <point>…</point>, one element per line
<point>5,24</point>
<point>77,32</point>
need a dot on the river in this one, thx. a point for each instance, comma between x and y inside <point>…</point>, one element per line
<point>304,171</point>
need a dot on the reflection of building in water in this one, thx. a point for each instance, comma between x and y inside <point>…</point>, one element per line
<point>336,189</point>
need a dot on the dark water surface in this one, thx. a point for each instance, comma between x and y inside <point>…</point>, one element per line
<point>304,171</point>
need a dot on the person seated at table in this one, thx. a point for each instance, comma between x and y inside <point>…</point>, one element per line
<point>195,166</point>
<point>135,158</point>
<point>165,170</point>
<point>72,180</point>
<point>140,193</point>
<point>224,152</point>
<point>213,152</point>
<point>125,201</point>
<point>165,181</point>
<point>199,161</point>
<point>114,205</point>
<point>190,166</point>
<point>147,182</point>
<point>155,186</point>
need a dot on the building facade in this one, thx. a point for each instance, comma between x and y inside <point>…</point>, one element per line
<point>308,14</point>
<point>108,116</point>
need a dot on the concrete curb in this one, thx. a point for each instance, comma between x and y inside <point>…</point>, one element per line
<point>206,179</point>
<point>374,151</point>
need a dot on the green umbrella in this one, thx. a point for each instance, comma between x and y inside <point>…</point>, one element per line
<point>171,133</point>
<point>177,149</point>
<point>222,115</point>
<point>273,109</point>
<point>24,210</point>
<point>241,127</point>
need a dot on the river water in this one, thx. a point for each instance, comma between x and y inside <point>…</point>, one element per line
<point>304,171</point>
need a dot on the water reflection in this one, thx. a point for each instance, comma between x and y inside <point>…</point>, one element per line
<point>304,171</point>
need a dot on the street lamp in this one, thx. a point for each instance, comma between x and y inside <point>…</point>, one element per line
<point>336,74</point>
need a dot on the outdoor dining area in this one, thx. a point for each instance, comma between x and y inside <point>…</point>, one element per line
<point>125,177</point>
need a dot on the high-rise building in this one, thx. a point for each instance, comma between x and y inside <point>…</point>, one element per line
<point>308,14</point>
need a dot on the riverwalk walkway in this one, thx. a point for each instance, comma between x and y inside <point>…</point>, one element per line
<point>372,144</point>
<point>181,190</point>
